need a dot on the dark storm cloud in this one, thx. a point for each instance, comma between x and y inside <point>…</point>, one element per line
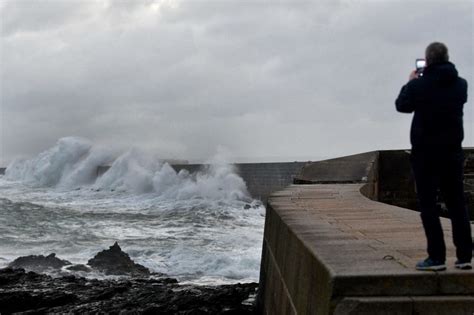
<point>266,79</point>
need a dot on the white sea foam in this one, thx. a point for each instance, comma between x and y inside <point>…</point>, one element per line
<point>84,172</point>
<point>133,171</point>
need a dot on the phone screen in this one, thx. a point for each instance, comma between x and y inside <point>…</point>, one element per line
<point>420,63</point>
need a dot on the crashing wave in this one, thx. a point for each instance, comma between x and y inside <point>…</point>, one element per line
<point>73,163</point>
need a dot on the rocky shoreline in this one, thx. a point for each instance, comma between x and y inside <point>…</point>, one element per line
<point>25,289</point>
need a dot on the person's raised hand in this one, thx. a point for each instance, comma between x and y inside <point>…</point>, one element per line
<point>413,75</point>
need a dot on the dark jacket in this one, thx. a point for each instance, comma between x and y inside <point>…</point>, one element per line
<point>437,98</point>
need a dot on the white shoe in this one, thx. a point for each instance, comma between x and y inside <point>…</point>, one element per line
<point>463,265</point>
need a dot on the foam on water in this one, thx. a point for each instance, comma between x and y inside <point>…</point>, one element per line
<point>192,226</point>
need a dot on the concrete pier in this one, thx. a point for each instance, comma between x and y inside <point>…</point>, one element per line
<point>329,249</point>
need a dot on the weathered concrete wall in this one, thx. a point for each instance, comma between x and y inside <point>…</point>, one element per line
<point>469,180</point>
<point>347,169</point>
<point>396,185</point>
<point>262,179</point>
<point>292,279</point>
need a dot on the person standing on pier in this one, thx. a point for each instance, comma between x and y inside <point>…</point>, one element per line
<point>436,95</point>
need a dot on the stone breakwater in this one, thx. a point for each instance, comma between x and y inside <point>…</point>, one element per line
<point>138,291</point>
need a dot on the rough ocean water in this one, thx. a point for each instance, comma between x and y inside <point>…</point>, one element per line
<point>198,227</point>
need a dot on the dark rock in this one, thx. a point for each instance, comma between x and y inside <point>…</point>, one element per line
<point>247,206</point>
<point>39,263</point>
<point>22,291</point>
<point>114,261</point>
<point>111,292</point>
<point>9,275</point>
<point>18,301</point>
<point>23,301</point>
<point>14,299</point>
<point>16,276</point>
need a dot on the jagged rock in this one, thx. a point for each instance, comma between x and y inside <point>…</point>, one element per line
<point>39,263</point>
<point>114,261</point>
<point>39,294</point>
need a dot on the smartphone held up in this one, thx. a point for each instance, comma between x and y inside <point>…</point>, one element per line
<point>420,65</point>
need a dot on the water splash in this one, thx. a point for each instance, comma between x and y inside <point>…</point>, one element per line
<point>73,163</point>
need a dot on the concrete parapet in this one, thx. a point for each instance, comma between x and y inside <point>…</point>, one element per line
<point>420,305</point>
<point>387,174</point>
<point>348,169</point>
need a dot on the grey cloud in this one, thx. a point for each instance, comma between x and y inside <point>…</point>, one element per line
<point>38,15</point>
<point>182,77</point>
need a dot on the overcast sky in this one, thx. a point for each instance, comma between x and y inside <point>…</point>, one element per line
<point>269,80</point>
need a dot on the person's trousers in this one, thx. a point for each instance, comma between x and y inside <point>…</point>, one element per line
<point>442,172</point>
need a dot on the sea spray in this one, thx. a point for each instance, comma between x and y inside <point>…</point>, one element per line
<point>132,171</point>
<point>72,161</point>
<point>84,172</point>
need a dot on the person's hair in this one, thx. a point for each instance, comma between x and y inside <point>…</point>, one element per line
<point>436,52</point>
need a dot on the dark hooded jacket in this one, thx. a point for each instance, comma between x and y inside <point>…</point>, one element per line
<point>437,98</point>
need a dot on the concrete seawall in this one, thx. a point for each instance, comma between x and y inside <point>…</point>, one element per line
<point>261,179</point>
<point>331,248</point>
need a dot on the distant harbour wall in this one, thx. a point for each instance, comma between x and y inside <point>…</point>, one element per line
<point>261,179</point>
